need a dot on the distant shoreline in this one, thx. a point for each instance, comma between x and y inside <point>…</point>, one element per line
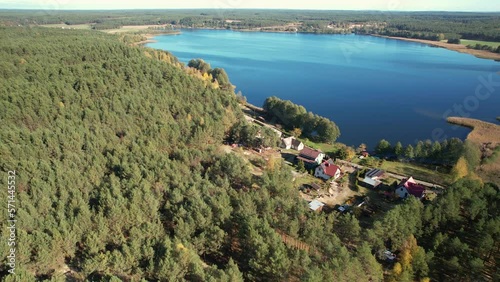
<point>482,54</point>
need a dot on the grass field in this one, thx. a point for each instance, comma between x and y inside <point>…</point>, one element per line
<point>123,29</point>
<point>63,25</point>
<point>474,42</point>
<point>306,178</point>
<point>325,148</point>
<point>418,172</point>
<point>132,28</point>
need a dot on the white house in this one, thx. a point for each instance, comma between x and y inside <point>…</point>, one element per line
<point>410,187</point>
<point>310,156</point>
<point>297,145</point>
<point>327,170</point>
<point>291,143</point>
<point>286,143</point>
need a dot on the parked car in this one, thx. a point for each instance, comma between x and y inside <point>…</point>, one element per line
<point>343,208</point>
<point>389,255</point>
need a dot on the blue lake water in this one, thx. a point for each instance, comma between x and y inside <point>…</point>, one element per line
<point>373,88</point>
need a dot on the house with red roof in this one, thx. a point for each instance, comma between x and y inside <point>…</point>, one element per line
<point>409,187</point>
<point>311,157</point>
<point>327,170</point>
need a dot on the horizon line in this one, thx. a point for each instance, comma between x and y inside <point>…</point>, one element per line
<point>232,9</point>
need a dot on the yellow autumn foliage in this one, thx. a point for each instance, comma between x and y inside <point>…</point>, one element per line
<point>181,247</point>
<point>215,85</point>
<point>398,269</point>
<point>271,164</point>
<point>410,247</point>
<point>460,169</point>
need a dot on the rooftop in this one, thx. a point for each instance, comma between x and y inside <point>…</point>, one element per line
<point>315,205</point>
<point>316,186</point>
<point>329,168</point>
<point>306,160</point>
<point>296,142</point>
<point>371,181</point>
<point>287,141</point>
<point>373,173</point>
<point>310,153</point>
<point>413,187</point>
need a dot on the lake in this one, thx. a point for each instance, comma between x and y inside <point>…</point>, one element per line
<point>372,88</point>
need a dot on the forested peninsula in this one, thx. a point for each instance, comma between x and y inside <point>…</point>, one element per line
<point>121,175</point>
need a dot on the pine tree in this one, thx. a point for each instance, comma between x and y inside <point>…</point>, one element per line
<point>300,166</point>
<point>409,152</point>
<point>383,147</point>
<point>398,149</point>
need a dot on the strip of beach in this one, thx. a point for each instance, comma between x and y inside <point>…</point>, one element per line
<point>454,47</point>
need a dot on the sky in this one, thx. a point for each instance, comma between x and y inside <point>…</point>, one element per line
<point>386,5</point>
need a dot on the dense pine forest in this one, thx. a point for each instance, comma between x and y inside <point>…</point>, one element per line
<point>120,176</point>
<point>293,116</point>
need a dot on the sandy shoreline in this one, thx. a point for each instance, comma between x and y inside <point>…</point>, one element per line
<point>486,136</point>
<point>454,47</point>
<point>150,36</point>
<point>481,131</point>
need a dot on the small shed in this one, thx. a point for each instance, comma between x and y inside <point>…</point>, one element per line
<point>375,173</point>
<point>364,154</point>
<point>371,182</point>
<point>316,186</point>
<point>316,205</point>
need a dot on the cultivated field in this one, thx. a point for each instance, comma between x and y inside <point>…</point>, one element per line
<point>133,28</point>
<point>65,26</point>
<point>474,42</point>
